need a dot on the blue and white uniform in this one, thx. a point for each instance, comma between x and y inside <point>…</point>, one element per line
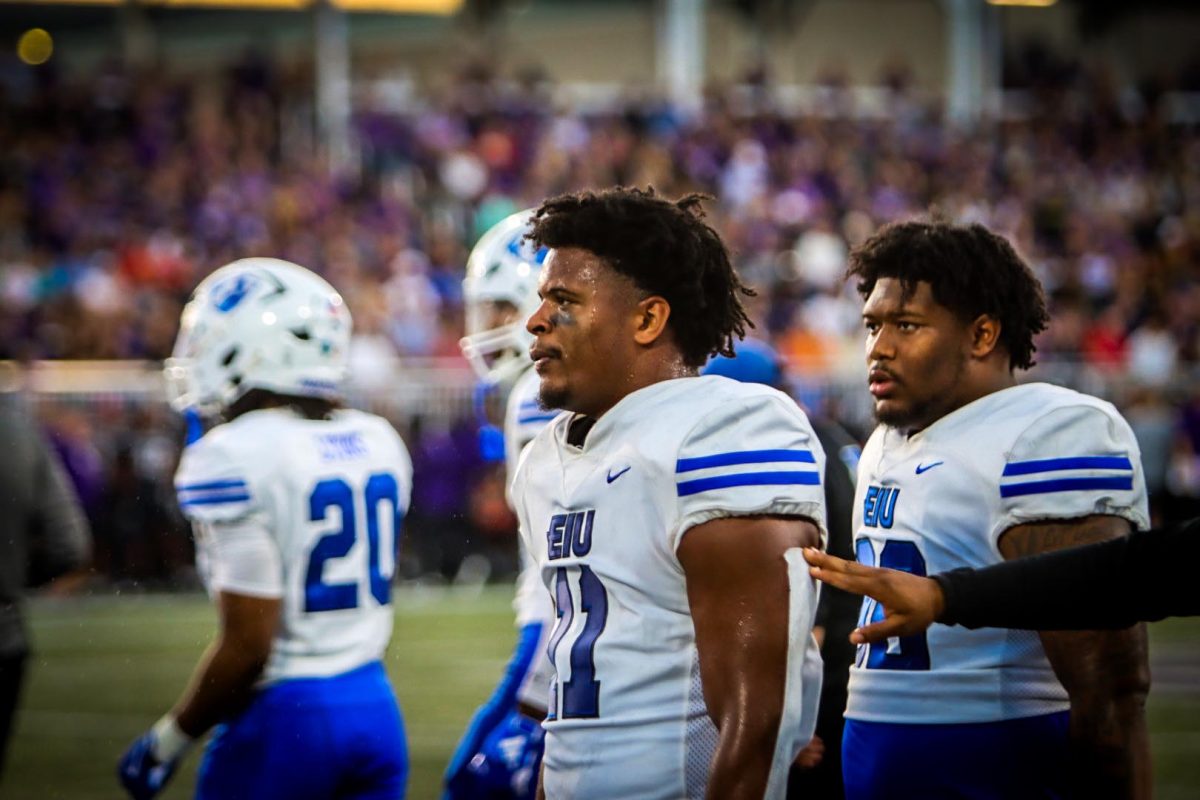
<point>603,521</point>
<point>501,752</point>
<point>524,420</point>
<point>978,711</point>
<point>309,512</point>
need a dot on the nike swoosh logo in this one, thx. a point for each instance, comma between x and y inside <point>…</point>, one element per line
<point>612,477</point>
<point>926,467</point>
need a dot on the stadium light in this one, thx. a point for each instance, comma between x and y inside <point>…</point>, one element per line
<point>35,46</point>
<point>1026,3</point>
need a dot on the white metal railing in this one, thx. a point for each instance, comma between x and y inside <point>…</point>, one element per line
<point>431,387</point>
<point>444,387</point>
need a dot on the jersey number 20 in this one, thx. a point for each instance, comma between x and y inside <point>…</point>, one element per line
<point>906,652</point>
<point>580,695</point>
<point>337,493</point>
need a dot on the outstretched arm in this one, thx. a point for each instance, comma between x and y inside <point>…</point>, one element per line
<point>737,579</point>
<point>1111,584</point>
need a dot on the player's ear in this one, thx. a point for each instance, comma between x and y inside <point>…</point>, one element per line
<point>651,318</point>
<point>985,335</point>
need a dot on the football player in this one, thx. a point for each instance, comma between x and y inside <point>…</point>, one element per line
<point>296,504</point>
<point>967,468</point>
<point>666,512</point>
<point>501,751</point>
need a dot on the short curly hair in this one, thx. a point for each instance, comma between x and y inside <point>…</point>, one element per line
<point>971,271</point>
<point>666,248</point>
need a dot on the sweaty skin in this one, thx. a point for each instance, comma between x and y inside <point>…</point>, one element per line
<point>598,337</point>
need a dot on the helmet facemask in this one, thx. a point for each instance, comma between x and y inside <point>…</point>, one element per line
<point>501,294</point>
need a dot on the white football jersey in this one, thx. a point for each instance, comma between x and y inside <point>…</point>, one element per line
<point>940,499</point>
<point>524,418</point>
<point>627,714</point>
<point>308,511</point>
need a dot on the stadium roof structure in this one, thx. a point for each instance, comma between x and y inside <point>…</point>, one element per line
<point>436,7</point>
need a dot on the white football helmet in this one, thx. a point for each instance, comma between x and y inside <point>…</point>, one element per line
<point>259,323</point>
<point>502,269</point>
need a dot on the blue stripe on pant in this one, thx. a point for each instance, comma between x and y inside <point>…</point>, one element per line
<point>1017,758</point>
<point>338,737</point>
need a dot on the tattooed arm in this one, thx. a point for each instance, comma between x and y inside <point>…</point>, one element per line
<point>1105,673</point>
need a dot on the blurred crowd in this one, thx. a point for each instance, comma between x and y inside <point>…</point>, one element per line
<point>119,192</point>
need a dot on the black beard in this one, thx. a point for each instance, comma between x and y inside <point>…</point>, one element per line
<point>907,418</point>
<point>553,399</point>
<point>923,414</point>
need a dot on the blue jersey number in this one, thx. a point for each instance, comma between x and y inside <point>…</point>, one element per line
<point>335,493</point>
<point>581,694</point>
<point>905,652</point>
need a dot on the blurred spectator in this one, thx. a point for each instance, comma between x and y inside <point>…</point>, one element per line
<point>1154,423</point>
<point>1153,352</point>
<point>1104,346</point>
<point>182,173</point>
<point>445,461</point>
<point>1183,477</point>
<point>137,540</point>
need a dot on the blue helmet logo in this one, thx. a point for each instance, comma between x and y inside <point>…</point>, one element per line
<point>518,243</point>
<point>228,294</point>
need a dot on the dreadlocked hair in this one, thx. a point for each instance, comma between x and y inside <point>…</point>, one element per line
<point>971,271</point>
<point>667,249</point>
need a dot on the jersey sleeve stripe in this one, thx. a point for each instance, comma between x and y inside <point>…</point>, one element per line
<point>744,457</point>
<point>1061,464</point>
<point>687,488</point>
<point>212,500</point>
<point>1066,485</point>
<point>195,495</point>
<point>525,419</point>
<point>235,483</point>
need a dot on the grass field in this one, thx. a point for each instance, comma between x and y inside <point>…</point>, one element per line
<point>108,667</point>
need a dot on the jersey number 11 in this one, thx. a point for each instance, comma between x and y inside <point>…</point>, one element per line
<point>580,694</point>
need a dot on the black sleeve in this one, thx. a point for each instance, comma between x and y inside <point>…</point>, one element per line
<point>60,540</point>
<point>837,611</point>
<point>1142,577</point>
